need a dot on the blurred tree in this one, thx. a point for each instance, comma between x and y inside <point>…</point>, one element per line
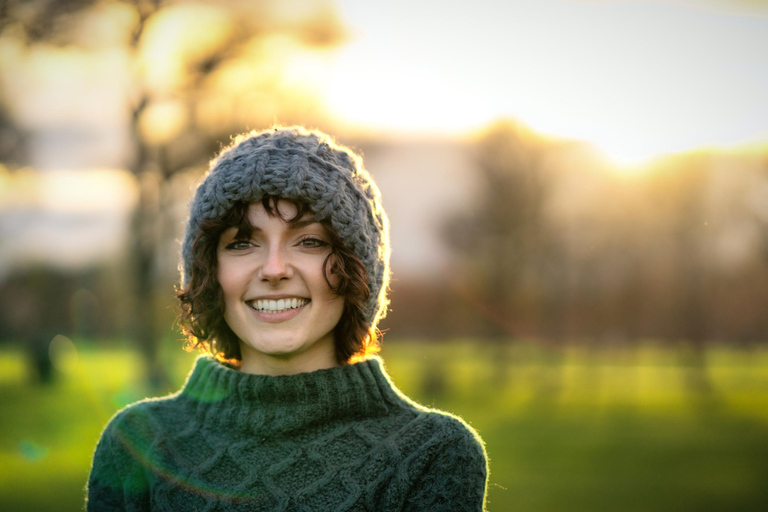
<point>681,189</point>
<point>13,139</point>
<point>505,244</point>
<point>499,237</point>
<point>35,306</point>
<point>201,72</point>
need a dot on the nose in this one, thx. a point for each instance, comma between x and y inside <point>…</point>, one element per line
<point>276,266</point>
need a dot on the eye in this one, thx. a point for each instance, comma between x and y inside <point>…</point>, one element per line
<point>238,245</point>
<point>311,242</point>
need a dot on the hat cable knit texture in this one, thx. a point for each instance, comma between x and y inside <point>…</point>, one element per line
<point>308,166</point>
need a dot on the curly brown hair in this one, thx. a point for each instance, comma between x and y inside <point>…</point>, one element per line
<point>201,315</point>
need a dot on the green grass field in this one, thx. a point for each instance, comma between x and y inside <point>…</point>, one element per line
<point>567,431</point>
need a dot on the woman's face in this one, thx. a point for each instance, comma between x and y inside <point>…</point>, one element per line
<point>276,298</point>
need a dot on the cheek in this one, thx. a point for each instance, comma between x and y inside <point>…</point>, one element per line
<point>228,280</point>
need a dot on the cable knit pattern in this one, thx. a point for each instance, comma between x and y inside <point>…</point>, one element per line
<point>295,163</point>
<point>341,439</point>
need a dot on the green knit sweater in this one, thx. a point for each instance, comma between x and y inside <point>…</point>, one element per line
<point>341,439</point>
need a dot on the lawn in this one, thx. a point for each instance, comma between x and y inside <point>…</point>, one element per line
<point>566,430</point>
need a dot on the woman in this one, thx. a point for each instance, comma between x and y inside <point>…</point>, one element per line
<point>285,273</point>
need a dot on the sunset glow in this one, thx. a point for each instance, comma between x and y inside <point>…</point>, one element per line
<point>637,79</point>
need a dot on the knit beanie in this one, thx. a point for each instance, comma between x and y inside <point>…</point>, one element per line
<point>307,166</point>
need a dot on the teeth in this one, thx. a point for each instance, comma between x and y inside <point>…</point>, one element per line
<point>277,306</point>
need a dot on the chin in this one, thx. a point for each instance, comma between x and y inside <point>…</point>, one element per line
<point>282,351</point>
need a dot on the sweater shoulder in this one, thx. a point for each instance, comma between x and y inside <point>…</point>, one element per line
<point>143,418</point>
<point>437,424</point>
<point>447,461</point>
<point>452,428</point>
<point>442,428</point>
<point>452,467</point>
<point>120,467</point>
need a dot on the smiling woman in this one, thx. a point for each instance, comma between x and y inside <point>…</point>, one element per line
<point>278,295</point>
<point>285,275</point>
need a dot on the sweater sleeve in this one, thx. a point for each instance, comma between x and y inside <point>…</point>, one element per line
<point>455,480</point>
<point>117,481</point>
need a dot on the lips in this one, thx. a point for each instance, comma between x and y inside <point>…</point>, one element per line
<point>277,305</point>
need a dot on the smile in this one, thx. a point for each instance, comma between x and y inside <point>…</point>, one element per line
<point>277,306</point>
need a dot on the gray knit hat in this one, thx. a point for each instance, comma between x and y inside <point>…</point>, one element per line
<point>308,166</point>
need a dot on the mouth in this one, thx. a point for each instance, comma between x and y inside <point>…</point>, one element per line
<point>277,306</point>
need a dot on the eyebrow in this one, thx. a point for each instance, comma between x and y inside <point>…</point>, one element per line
<point>293,224</point>
<point>302,223</point>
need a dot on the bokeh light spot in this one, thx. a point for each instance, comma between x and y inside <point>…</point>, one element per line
<point>32,451</point>
<point>63,353</point>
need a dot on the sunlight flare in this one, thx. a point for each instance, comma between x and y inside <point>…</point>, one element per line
<point>637,79</point>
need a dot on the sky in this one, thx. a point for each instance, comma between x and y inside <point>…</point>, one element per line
<point>636,78</point>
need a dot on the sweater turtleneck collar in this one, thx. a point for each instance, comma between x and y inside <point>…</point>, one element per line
<point>287,403</point>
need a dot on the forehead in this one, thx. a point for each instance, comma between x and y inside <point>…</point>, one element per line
<point>283,214</point>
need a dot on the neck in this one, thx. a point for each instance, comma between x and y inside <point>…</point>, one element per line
<point>320,356</point>
<point>278,404</point>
